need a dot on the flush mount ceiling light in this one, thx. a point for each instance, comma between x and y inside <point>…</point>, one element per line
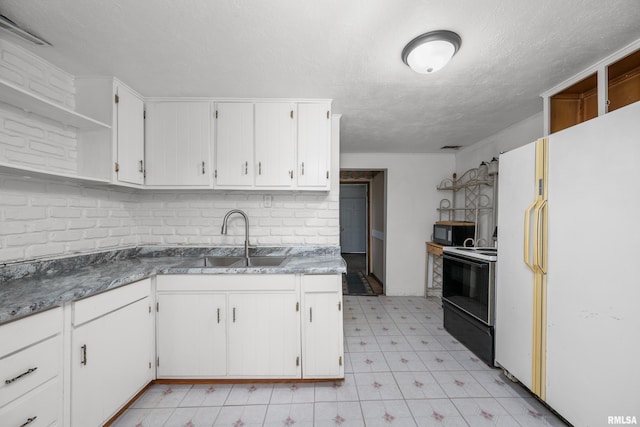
<point>431,51</point>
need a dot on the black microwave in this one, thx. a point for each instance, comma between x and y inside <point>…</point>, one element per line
<point>453,233</point>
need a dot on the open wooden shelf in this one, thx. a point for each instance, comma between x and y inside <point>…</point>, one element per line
<point>624,81</point>
<point>575,104</point>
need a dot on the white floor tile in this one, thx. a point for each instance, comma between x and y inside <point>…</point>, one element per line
<point>484,412</point>
<point>143,417</point>
<point>206,395</point>
<point>460,384</point>
<point>439,361</point>
<point>368,362</point>
<point>193,417</point>
<point>241,416</point>
<point>338,391</point>
<point>377,386</point>
<point>163,396</point>
<point>342,414</point>
<point>419,385</point>
<point>389,343</point>
<point>249,394</point>
<point>436,412</point>
<point>400,361</point>
<point>362,344</point>
<point>289,415</point>
<point>293,393</point>
<point>387,413</point>
<point>424,343</point>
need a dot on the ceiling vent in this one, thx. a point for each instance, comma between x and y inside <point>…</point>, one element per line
<point>451,147</point>
<point>8,25</point>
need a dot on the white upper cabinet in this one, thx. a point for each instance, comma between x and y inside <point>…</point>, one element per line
<point>116,153</point>
<point>275,144</point>
<point>130,136</point>
<point>234,144</point>
<point>314,146</point>
<point>177,144</point>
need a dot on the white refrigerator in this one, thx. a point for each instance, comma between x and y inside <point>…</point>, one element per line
<point>567,290</point>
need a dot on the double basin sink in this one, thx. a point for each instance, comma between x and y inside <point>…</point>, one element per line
<point>235,261</point>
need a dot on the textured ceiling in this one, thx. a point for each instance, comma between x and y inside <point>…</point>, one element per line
<point>347,50</point>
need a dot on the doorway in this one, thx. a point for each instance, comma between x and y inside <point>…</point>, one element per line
<point>363,223</point>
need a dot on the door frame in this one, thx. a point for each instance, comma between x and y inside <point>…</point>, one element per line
<point>365,176</point>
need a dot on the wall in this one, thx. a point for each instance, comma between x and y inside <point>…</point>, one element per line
<point>514,136</point>
<point>411,201</point>
<point>41,218</point>
<point>27,139</point>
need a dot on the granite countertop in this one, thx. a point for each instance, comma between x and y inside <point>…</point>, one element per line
<point>28,288</point>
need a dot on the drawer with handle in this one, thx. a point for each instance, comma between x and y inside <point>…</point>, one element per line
<point>38,408</point>
<point>28,368</point>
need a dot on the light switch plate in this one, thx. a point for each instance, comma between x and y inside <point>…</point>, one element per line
<point>266,199</point>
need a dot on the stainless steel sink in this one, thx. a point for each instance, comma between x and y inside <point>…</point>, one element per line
<point>235,261</point>
<point>218,261</point>
<point>261,261</point>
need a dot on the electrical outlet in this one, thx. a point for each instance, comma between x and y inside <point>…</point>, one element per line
<point>266,199</point>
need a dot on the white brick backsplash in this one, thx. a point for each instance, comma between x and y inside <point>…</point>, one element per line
<point>36,75</point>
<point>65,212</point>
<point>42,219</point>
<point>24,213</point>
<point>44,251</point>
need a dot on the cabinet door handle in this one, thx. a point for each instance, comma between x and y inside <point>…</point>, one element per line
<point>302,168</point>
<point>202,168</point>
<point>218,315</point>
<point>310,314</point>
<point>234,315</point>
<point>141,167</point>
<point>291,174</point>
<point>24,374</point>
<point>29,421</point>
<point>259,168</point>
<point>246,168</point>
<point>83,355</point>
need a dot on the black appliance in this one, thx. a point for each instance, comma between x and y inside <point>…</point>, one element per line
<point>453,233</point>
<point>468,297</point>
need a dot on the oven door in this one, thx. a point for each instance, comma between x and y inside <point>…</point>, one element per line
<point>468,284</point>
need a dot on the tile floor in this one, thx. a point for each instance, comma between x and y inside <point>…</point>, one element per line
<point>402,369</point>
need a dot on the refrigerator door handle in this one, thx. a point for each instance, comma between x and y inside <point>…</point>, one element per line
<point>527,236</point>
<point>540,254</point>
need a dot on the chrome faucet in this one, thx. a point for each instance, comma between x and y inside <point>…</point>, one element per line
<point>246,228</point>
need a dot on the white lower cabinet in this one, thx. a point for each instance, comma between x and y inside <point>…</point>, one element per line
<point>264,335</point>
<point>111,352</point>
<point>31,370</point>
<point>322,332</point>
<point>256,336</point>
<point>192,338</point>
